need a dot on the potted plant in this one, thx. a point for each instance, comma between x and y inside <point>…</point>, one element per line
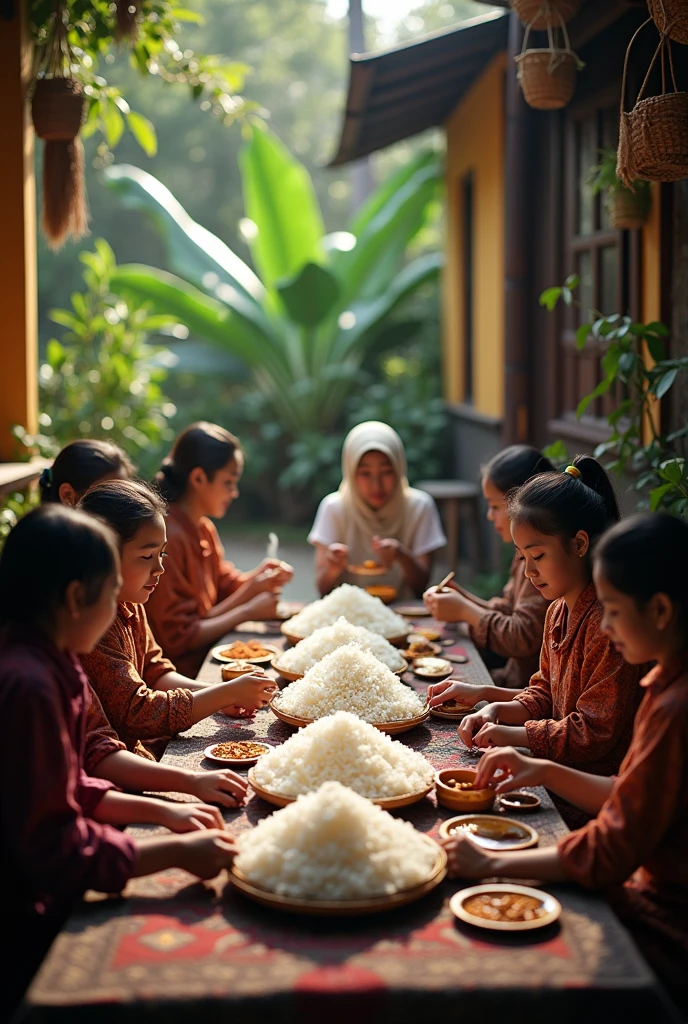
<point>628,208</point>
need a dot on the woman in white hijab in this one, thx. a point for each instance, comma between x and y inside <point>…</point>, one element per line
<point>376,516</point>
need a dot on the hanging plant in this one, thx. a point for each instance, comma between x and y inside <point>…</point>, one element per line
<point>542,14</point>
<point>126,19</point>
<point>57,109</point>
<point>671,18</point>
<point>628,208</point>
<point>653,136</point>
<point>547,76</point>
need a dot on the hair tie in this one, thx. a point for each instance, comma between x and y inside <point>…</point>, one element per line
<point>46,477</point>
<point>573,471</point>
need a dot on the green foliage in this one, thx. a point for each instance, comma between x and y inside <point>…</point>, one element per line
<point>635,356</point>
<point>603,178</point>
<point>12,508</point>
<point>307,326</point>
<point>103,379</point>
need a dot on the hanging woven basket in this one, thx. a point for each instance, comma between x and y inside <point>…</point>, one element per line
<point>126,15</point>
<point>628,210</point>
<point>547,76</point>
<point>671,18</point>
<point>57,109</point>
<point>653,136</point>
<point>542,14</point>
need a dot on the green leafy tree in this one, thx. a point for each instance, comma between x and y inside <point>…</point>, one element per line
<point>318,305</point>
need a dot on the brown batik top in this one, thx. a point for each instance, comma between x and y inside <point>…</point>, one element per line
<point>512,626</point>
<point>100,739</point>
<point>124,668</point>
<point>640,836</point>
<point>583,698</point>
<point>196,578</point>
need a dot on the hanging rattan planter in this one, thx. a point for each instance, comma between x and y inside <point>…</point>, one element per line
<point>542,14</point>
<point>628,210</point>
<point>547,76</point>
<point>671,18</point>
<point>653,136</point>
<point>126,15</point>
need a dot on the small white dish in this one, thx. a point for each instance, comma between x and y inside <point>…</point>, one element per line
<point>239,762</point>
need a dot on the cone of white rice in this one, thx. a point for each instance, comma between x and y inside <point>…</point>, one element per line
<point>328,638</point>
<point>350,679</point>
<point>357,607</point>
<point>345,749</point>
<point>334,845</point>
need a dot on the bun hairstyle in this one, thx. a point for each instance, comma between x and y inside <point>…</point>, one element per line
<point>514,465</point>
<point>124,505</point>
<point>82,464</point>
<point>201,446</point>
<point>48,549</point>
<point>561,504</point>
<point>647,554</point>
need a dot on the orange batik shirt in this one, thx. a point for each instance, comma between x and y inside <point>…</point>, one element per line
<point>583,699</point>
<point>640,836</point>
<point>123,670</point>
<point>196,578</point>
<point>512,626</point>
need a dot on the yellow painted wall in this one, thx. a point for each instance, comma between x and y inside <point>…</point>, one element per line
<point>475,144</point>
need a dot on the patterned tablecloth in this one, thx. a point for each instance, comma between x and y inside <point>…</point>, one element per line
<point>178,950</point>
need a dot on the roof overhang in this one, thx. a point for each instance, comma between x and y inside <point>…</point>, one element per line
<point>399,92</point>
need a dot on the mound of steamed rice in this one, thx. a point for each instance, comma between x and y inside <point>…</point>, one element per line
<point>328,638</point>
<point>342,748</point>
<point>350,679</point>
<point>357,607</point>
<point>334,845</point>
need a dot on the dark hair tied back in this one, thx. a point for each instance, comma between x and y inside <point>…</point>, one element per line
<point>647,554</point>
<point>125,505</point>
<point>201,446</point>
<point>561,504</point>
<point>82,464</point>
<point>514,465</point>
<point>49,548</point>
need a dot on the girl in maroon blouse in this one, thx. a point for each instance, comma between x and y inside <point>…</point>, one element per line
<point>636,849</point>
<point>59,580</point>
<point>510,625</point>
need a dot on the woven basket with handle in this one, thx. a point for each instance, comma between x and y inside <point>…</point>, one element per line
<point>671,18</point>
<point>542,14</point>
<point>547,76</point>
<point>627,210</point>
<point>57,109</point>
<point>653,136</point>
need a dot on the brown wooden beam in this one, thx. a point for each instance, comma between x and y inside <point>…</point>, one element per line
<point>18,290</point>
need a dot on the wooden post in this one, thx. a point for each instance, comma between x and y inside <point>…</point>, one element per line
<point>516,427</point>
<point>18,290</point>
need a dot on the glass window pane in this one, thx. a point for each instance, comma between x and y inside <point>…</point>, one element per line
<point>587,158</point>
<point>585,288</point>
<point>609,273</point>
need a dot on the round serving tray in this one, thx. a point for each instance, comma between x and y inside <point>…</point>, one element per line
<point>389,727</point>
<point>341,908</point>
<point>291,677</point>
<point>456,715</point>
<point>218,656</point>
<point>551,905</point>
<point>395,641</point>
<point>387,804</point>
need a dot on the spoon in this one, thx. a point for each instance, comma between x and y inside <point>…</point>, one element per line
<point>442,585</point>
<point>273,545</point>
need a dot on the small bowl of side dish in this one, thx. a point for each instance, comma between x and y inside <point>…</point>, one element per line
<point>384,591</point>
<point>455,790</point>
<point>432,669</point>
<point>238,753</point>
<point>234,669</point>
<point>520,800</point>
<point>505,907</point>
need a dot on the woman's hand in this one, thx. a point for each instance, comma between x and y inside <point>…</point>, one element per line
<point>465,859</point>
<point>472,724</point>
<point>273,574</point>
<point>387,548</point>
<point>190,817</point>
<point>445,606</point>
<point>454,689</point>
<point>222,787</point>
<point>249,693</point>
<point>205,854</point>
<point>491,735</point>
<point>337,559</point>
<point>506,769</point>
<point>262,606</point>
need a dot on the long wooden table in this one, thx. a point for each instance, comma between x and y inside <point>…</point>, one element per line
<point>176,950</point>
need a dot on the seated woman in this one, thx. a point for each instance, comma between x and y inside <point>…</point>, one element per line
<point>510,626</point>
<point>59,579</point>
<point>375,516</point>
<point>202,597</point>
<point>78,466</point>
<point>144,697</point>
<point>636,848</point>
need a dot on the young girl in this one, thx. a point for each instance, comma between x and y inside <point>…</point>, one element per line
<point>511,625</point>
<point>202,597</point>
<point>579,707</point>
<point>376,516</point>
<point>59,578</point>
<point>143,696</point>
<point>639,838</point>
<point>80,465</point>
